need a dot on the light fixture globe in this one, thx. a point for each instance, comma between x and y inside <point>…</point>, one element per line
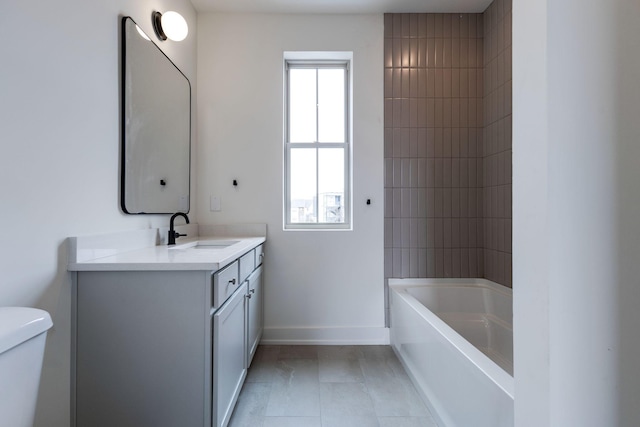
<point>170,25</point>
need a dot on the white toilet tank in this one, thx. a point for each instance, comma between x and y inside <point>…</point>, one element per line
<point>23,332</point>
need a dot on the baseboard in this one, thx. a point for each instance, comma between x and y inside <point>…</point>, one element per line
<point>326,336</point>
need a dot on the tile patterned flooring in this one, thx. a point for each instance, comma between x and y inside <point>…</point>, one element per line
<point>328,386</point>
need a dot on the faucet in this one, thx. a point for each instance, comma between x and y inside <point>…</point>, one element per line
<point>173,235</point>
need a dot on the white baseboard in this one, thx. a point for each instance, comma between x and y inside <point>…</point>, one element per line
<point>326,336</point>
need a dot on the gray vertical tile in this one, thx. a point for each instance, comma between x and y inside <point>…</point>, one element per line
<point>473,263</point>
<point>464,263</point>
<point>421,172</point>
<point>455,52</point>
<point>431,25</point>
<point>464,52</point>
<point>422,262</point>
<point>455,83</point>
<point>397,202</point>
<point>455,113</point>
<point>438,25</point>
<point>397,263</point>
<point>431,233</point>
<point>446,114</point>
<point>439,263</point>
<point>397,172</point>
<point>388,53</point>
<point>455,202</point>
<point>431,262</point>
<point>406,202</point>
<point>422,233</point>
<point>455,233</point>
<point>405,262</point>
<point>431,53</point>
<point>430,202</point>
<point>439,232</point>
<point>456,263</point>
<point>448,263</point>
<point>446,142</point>
<point>447,232</point>
<point>446,203</point>
<point>464,202</point>
<point>388,113</point>
<point>463,233</point>
<point>439,142</point>
<point>405,53</point>
<point>388,172</point>
<point>397,232</point>
<point>397,52</point>
<point>446,52</point>
<point>455,142</point>
<point>413,53</point>
<point>422,25</point>
<point>413,262</point>
<point>422,79</point>
<point>397,25</point>
<point>414,200</point>
<point>464,112</point>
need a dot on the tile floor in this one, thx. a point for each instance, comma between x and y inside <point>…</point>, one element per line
<point>328,386</point>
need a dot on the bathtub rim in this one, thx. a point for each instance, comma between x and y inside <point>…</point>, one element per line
<point>495,373</point>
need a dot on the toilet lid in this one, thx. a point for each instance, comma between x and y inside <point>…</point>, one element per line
<point>19,324</point>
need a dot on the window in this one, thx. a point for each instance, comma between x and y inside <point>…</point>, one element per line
<point>317,144</point>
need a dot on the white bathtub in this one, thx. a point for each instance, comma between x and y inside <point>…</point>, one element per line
<point>455,338</point>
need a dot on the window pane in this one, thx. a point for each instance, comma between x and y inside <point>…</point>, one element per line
<point>331,105</point>
<point>302,105</point>
<point>303,185</point>
<point>331,185</point>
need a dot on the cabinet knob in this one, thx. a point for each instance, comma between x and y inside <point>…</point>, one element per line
<point>232,281</point>
<point>248,296</point>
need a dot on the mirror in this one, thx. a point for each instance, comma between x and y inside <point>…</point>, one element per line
<point>156,127</point>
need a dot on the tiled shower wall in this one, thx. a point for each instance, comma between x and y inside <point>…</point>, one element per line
<point>448,144</point>
<point>433,145</point>
<point>497,142</point>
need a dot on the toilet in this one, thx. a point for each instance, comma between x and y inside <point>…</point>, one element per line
<point>23,333</point>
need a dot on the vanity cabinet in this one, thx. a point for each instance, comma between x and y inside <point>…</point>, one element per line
<point>229,347</point>
<point>255,314</point>
<point>163,348</point>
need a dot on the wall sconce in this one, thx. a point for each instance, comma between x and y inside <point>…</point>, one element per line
<point>170,25</point>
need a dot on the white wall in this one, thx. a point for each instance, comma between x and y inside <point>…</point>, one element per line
<point>320,286</point>
<point>59,130</point>
<point>576,209</point>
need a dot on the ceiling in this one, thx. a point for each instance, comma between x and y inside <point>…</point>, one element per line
<point>340,6</point>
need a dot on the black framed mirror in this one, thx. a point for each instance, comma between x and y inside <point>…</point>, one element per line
<point>156,128</point>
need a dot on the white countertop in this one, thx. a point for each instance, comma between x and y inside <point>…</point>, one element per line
<point>182,256</point>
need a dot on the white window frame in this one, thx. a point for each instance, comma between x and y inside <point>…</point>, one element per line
<point>319,60</point>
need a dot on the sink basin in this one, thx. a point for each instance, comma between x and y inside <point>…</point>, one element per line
<point>214,244</point>
<point>207,244</point>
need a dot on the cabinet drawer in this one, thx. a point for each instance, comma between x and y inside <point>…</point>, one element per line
<point>225,282</point>
<point>247,264</point>
<point>259,255</point>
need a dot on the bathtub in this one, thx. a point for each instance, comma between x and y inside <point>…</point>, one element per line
<point>454,337</point>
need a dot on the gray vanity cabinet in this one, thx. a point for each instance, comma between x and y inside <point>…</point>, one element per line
<point>255,312</point>
<point>163,348</point>
<point>143,349</point>
<point>229,343</point>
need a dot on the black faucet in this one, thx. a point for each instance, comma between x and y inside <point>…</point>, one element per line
<point>173,235</point>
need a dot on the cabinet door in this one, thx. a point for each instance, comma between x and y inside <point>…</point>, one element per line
<point>254,313</point>
<point>229,343</point>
